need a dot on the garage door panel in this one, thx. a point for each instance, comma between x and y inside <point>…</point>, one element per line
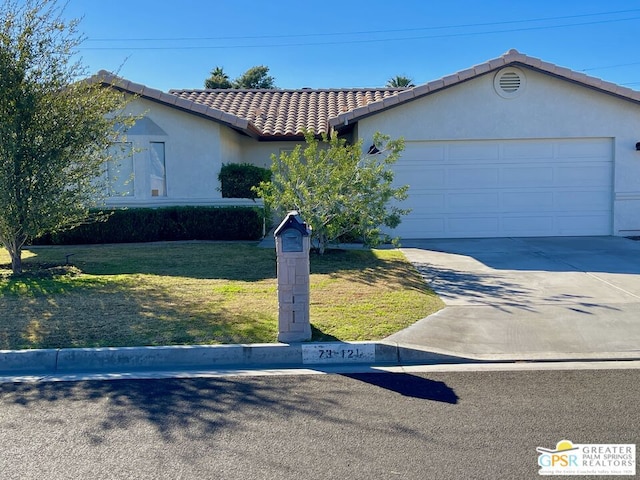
<point>472,226</point>
<point>527,150</point>
<point>527,201</point>
<point>584,225</point>
<point>525,176</point>
<point>425,226</point>
<point>585,176</point>
<point>421,153</point>
<point>428,201</point>
<point>585,149</point>
<point>582,201</point>
<point>538,225</point>
<point>474,151</point>
<point>460,177</point>
<point>421,177</point>
<point>507,188</point>
<point>473,202</point>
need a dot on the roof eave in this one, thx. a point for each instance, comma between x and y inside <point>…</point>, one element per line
<point>586,81</point>
<point>511,58</point>
<point>237,123</point>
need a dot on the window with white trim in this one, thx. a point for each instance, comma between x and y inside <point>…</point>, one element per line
<point>119,170</point>
<point>158,171</point>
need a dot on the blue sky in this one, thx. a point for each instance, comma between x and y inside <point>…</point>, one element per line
<point>355,43</point>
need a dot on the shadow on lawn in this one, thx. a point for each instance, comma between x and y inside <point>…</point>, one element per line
<point>226,261</point>
<point>318,335</point>
<point>97,310</point>
<point>58,314</point>
<point>364,267</point>
<point>199,260</point>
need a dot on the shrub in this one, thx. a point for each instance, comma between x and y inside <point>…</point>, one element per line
<point>236,179</point>
<point>165,224</point>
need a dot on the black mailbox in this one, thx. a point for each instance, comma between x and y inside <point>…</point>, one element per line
<point>291,232</point>
<point>291,240</point>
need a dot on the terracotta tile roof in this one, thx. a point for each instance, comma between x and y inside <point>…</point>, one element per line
<point>287,113</point>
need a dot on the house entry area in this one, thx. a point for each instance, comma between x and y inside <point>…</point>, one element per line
<point>507,188</point>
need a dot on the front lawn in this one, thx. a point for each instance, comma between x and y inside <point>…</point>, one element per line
<point>198,293</point>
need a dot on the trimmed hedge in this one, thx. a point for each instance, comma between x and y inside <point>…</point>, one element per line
<point>165,224</point>
<point>236,179</point>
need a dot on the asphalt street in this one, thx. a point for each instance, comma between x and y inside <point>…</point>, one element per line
<point>457,425</point>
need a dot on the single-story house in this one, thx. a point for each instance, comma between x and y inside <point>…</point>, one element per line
<point>514,146</point>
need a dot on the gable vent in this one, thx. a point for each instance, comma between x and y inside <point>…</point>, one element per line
<point>509,82</point>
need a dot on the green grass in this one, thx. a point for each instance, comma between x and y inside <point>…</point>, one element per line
<point>198,293</point>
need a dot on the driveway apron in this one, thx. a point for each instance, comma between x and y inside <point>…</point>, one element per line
<point>529,298</point>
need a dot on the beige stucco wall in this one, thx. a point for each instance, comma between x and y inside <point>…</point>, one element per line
<point>194,151</point>
<point>547,108</point>
<point>259,153</point>
<point>230,146</point>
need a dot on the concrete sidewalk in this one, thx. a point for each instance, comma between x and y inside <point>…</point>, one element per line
<point>507,300</point>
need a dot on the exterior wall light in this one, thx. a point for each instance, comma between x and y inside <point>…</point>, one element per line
<point>638,146</point>
<point>373,150</point>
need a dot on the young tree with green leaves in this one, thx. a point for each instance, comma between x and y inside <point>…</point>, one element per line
<point>55,128</point>
<point>255,77</point>
<point>337,189</point>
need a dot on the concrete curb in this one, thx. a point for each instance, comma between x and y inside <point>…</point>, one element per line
<point>66,360</point>
<point>38,361</point>
<point>413,353</point>
<point>311,354</point>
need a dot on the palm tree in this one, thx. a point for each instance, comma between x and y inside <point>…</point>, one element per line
<point>218,79</point>
<point>400,81</point>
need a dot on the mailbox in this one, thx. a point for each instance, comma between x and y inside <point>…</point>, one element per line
<point>291,240</point>
<point>293,243</point>
<point>291,232</point>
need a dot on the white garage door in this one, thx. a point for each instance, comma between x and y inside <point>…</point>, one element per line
<point>507,188</point>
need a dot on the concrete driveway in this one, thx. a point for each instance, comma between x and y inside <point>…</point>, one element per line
<point>530,298</point>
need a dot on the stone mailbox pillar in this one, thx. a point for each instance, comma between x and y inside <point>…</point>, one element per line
<point>293,243</point>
